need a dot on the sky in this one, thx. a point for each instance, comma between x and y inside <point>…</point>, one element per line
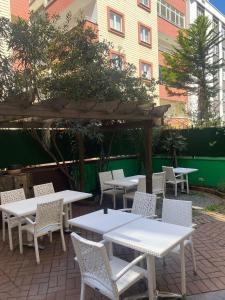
<point>220,4</point>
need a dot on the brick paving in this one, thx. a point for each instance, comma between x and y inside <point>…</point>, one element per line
<point>58,277</point>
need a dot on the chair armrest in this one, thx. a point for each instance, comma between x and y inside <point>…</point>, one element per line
<point>194,225</point>
<point>179,175</point>
<point>125,209</point>
<point>128,267</point>
<point>104,242</point>
<point>30,221</point>
<point>158,219</point>
<point>151,217</point>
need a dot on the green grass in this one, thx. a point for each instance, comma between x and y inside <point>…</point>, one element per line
<point>215,208</point>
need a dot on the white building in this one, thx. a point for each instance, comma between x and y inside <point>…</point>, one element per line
<point>204,7</point>
<point>6,13</point>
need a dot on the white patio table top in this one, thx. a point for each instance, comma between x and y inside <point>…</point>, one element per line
<point>184,171</point>
<point>149,236</point>
<point>125,182</point>
<point>101,223</point>
<point>29,206</point>
<point>155,239</point>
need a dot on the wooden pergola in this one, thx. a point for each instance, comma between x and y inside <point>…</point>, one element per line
<point>23,113</point>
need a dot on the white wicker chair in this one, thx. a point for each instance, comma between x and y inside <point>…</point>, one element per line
<point>141,187</point>
<point>118,174</point>
<point>144,204</point>
<point>171,178</point>
<point>49,218</point>
<point>110,276</point>
<point>106,189</point>
<point>12,221</point>
<point>48,188</point>
<point>179,212</point>
<point>158,183</point>
<point>43,189</point>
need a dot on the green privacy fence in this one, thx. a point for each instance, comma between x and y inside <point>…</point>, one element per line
<point>208,142</point>
<point>211,171</point>
<point>129,165</point>
<point>18,147</point>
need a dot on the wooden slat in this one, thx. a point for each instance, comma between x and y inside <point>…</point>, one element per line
<point>112,110</point>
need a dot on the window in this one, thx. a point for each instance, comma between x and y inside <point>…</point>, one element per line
<point>170,13</point>
<point>216,50</point>
<point>145,70</point>
<point>223,74</point>
<point>116,22</point>
<point>117,60</point>
<point>223,53</point>
<point>215,24</point>
<point>160,75</point>
<point>200,10</point>
<point>145,33</point>
<point>223,31</point>
<point>145,4</point>
<point>223,96</point>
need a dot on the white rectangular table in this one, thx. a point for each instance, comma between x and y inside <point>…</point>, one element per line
<point>154,238</point>
<point>101,223</point>
<point>125,182</point>
<point>184,172</point>
<point>28,207</point>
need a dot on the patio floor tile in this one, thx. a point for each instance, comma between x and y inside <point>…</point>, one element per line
<point>58,277</point>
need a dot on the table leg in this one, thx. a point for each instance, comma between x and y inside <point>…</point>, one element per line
<point>30,242</point>
<point>182,184</point>
<point>187,183</point>
<point>151,277</point>
<point>183,275</point>
<point>66,218</point>
<point>151,293</point>
<point>109,247</point>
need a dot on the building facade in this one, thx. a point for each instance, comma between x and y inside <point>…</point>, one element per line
<point>171,18</point>
<point>130,25</point>
<point>204,7</point>
<point>4,12</point>
<point>10,10</point>
<point>19,8</point>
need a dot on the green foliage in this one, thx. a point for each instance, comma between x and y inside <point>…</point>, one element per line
<point>173,143</point>
<point>215,208</point>
<point>192,67</point>
<point>54,62</point>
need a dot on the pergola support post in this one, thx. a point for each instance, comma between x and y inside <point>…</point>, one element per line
<point>148,155</point>
<point>81,161</point>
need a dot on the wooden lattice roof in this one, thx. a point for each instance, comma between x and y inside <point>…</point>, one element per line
<point>17,113</point>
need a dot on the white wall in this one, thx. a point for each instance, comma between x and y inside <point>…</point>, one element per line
<point>4,12</point>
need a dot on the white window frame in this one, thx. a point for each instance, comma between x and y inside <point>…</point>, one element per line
<point>142,64</point>
<point>162,6</point>
<point>142,2</point>
<point>146,37</point>
<point>114,22</point>
<point>118,65</point>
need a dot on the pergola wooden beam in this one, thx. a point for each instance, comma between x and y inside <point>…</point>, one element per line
<point>47,112</point>
<point>132,115</point>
